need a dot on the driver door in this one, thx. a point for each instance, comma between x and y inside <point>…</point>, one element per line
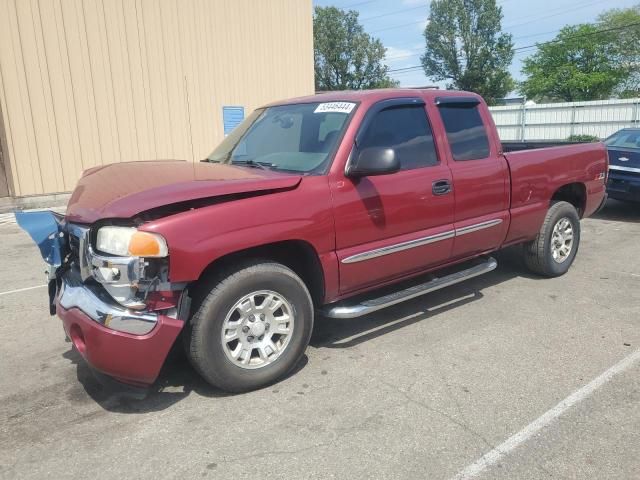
<point>390,226</point>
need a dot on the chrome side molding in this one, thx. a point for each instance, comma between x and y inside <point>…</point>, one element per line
<point>346,310</point>
<point>478,226</point>
<point>418,242</point>
<point>398,247</point>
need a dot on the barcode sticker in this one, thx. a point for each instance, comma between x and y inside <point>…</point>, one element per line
<point>337,107</point>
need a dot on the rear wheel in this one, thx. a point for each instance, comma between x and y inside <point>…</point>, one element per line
<point>251,328</point>
<point>553,250</point>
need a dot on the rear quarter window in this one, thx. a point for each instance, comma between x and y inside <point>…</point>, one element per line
<point>466,133</point>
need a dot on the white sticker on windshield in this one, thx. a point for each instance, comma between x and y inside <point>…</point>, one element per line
<point>338,107</point>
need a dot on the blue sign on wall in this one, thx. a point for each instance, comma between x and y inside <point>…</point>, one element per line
<point>231,118</point>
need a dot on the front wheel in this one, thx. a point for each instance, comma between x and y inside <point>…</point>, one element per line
<point>553,250</point>
<point>251,328</point>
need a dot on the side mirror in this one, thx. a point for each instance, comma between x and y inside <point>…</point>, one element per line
<point>373,161</point>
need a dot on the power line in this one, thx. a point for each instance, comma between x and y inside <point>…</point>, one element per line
<point>395,12</point>
<point>402,75</point>
<point>562,12</point>
<point>579,35</point>
<point>536,34</point>
<point>406,69</point>
<point>399,26</point>
<point>406,56</point>
<point>359,3</point>
<point>420,50</point>
<point>356,4</point>
<point>365,2</point>
<point>569,10</point>
<point>536,45</point>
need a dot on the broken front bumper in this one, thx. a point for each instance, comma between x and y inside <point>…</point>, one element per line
<point>96,305</point>
<point>127,344</point>
<point>132,359</point>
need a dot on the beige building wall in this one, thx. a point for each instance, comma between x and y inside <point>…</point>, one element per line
<point>91,82</point>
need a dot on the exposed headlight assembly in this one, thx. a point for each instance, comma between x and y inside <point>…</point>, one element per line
<point>130,242</point>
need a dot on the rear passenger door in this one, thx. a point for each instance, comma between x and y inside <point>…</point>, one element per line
<point>391,225</point>
<point>480,176</point>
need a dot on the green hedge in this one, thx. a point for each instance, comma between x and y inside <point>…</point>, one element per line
<point>583,138</point>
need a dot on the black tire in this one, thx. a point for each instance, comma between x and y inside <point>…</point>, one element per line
<point>217,297</point>
<point>538,255</point>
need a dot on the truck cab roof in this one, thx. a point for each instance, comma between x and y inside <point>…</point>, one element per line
<point>372,96</point>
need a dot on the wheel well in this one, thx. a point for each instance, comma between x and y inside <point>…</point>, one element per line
<point>574,193</point>
<point>298,255</point>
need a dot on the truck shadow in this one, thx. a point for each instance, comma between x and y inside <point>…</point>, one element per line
<point>619,211</point>
<point>178,379</point>
<point>347,333</point>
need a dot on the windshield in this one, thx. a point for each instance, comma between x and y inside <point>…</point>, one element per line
<point>624,139</point>
<point>298,137</point>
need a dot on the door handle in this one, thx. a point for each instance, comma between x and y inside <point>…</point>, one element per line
<point>441,187</point>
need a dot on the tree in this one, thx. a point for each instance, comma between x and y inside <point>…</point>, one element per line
<point>345,56</point>
<point>465,45</point>
<point>580,63</point>
<point>623,31</point>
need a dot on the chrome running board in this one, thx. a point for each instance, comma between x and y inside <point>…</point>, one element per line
<point>346,310</point>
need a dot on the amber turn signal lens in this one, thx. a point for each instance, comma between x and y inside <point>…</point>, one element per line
<point>144,244</point>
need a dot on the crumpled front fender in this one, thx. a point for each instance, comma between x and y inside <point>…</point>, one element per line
<point>46,229</point>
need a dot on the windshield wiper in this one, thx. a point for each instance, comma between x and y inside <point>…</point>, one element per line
<point>253,163</point>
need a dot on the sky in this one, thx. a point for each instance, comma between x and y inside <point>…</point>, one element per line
<point>399,24</point>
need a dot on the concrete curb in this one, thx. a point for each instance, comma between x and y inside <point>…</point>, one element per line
<point>11,204</point>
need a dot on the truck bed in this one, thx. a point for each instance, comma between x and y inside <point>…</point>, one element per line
<point>537,175</point>
<point>516,146</point>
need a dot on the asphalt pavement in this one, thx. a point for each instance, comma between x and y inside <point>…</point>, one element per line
<point>505,376</point>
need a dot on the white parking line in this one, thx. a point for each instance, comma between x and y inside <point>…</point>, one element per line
<point>545,420</point>
<point>21,290</point>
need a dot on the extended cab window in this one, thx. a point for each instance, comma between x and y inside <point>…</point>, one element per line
<point>407,131</point>
<point>466,133</point>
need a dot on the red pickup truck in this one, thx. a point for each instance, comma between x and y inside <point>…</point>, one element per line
<point>312,205</point>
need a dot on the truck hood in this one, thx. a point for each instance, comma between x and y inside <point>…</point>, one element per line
<point>123,190</point>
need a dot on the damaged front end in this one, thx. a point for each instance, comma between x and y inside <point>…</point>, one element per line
<point>126,292</point>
